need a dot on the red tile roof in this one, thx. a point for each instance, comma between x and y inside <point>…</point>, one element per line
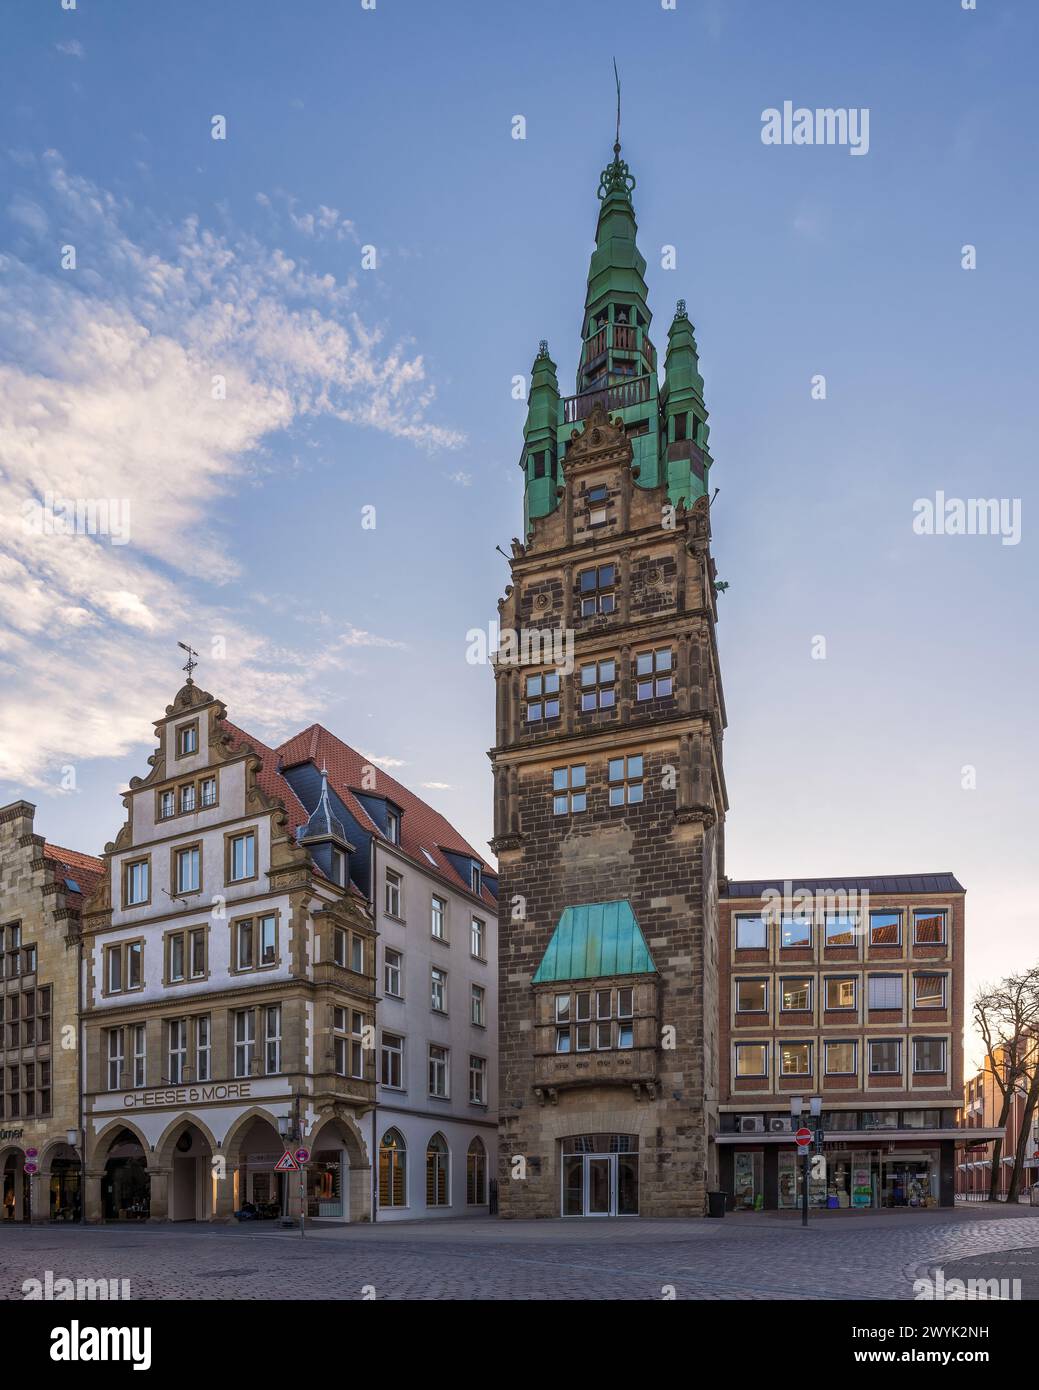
<point>422,828</point>
<point>86,869</point>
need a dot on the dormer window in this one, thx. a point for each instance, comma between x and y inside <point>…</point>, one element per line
<point>476,879</point>
<point>338,867</point>
<point>393,826</point>
<point>595,497</point>
<point>187,739</point>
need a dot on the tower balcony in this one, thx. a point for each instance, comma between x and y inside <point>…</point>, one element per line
<point>625,393</point>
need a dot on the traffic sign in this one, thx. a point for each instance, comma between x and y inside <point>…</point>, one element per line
<point>302,1155</point>
<point>286,1164</point>
<point>30,1168</point>
<point>803,1136</point>
<point>802,1150</point>
<point>32,1153</point>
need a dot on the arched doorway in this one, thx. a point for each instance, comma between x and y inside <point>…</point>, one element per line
<point>187,1154</point>
<point>336,1176</point>
<point>62,1175</point>
<point>252,1151</point>
<point>126,1185</point>
<point>15,1199</point>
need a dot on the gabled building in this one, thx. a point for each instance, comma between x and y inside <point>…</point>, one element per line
<point>232,977</point>
<point>609,792</point>
<point>42,891</point>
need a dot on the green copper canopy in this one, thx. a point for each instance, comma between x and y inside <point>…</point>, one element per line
<point>594,941</point>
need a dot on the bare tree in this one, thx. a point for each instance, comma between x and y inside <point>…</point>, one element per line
<point>1007,1017</point>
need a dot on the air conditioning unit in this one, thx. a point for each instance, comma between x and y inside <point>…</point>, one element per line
<point>778,1124</point>
<point>752,1124</point>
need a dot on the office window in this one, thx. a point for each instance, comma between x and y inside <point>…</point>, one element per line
<point>175,956</point>
<point>438,916</point>
<point>598,685</point>
<point>438,989</point>
<point>187,869</point>
<point>177,1038</point>
<point>477,1081</point>
<point>596,589</point>
<point>244,1041</point>
<point>885,991</point>
<point>244,957</point>
<point>202,1048</point>
<point>796,995</point>
<point>242,857</point>
<point>841,928</point>
<point>568,790</point>
<point>928,1054</point>
<point>885,1056</point>
<point>476,937</point>
<point>198,952</point>
<point>137,881</point>
<point>751,996</point>
<point>115,1059</point>
<point>653,676</point>
<point>796,1059</point>
<point>542,694</point>
<point>840,1058</point>
<point>268,932</point>
<point>393,887</point>
<point>751,932</point>
<point>478,1005</point>
<point>885,928</point>
<point>928,991</point>
<point>392,1073</point>
<point>625,779</point>
<point>392,970</point>
<point>928,927</point>
<point>272,1039</point>
<point>140,1058</point>
<point>751,1059</point>
<point>134,964</point>
<point>795,931</point>
<point>438,1071</point>
<point>840,992</point>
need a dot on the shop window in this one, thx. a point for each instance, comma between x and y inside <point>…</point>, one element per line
<point>437,1162</point>
<point>476,1175</point>
<point>393,1170</point>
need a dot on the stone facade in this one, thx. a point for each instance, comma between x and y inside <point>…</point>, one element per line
<point>41,897</point>
<point>663,853</point>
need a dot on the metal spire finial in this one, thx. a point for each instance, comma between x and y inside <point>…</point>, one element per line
<point>617,79</point>
<point>191,662</point>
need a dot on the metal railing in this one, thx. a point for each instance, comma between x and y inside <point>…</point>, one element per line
<point>625,393</point>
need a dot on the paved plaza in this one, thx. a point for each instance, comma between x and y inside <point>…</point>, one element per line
<point>842,1255</point>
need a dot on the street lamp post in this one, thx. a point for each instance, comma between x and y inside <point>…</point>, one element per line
<point>815,1107</point>
<point>291,1129</point>
<point>72,1138</point>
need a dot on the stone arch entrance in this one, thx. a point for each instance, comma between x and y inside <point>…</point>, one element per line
<point>338,1174</point>
<point>252,1149</point>
<point>185,1154</point>
<point>60,1183</point>
<point>125,1178</point>
<point>14,1199</point>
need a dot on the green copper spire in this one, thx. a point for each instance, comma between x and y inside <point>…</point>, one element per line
<point>684,416</point>
<point>539,459</point>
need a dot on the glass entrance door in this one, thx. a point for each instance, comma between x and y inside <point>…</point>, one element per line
<point>600,1180</point>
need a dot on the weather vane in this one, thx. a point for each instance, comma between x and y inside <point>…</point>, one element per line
<point>191,661</point>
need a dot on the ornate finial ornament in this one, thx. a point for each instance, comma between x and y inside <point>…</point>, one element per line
<point>616,177</point>
<point>680,310</point>
<point>191,662</point>
<point>543,348</point>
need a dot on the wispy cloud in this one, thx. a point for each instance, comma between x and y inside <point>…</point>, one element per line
<point>385,761</point>
<point>72,48</point>
<point>151,374</point>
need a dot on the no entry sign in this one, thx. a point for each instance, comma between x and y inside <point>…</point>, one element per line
<point>803,1136</point>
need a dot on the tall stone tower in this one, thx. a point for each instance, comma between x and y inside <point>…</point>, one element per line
<point>609,792</point>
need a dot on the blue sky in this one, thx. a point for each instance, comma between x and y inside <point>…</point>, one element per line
<point>391,387</point>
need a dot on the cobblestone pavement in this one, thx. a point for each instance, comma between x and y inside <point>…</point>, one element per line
<point>842,1255</point>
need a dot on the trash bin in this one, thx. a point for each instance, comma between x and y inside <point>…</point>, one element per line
<point>716,1203</point>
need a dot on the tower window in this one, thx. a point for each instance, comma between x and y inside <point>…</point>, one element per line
<point>653,674</point>
<point>596,586</point>
<point>598,685</point>
<point>543,697</point>
<point>625,778</point>
<point>539,464</point>
<point>568,790</point>
<point>596,494</point>
<point>681,426</point>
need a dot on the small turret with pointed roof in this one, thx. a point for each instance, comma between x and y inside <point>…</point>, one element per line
<point>684,424</point>
<point>539,461</point>
<point>323,824</point>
